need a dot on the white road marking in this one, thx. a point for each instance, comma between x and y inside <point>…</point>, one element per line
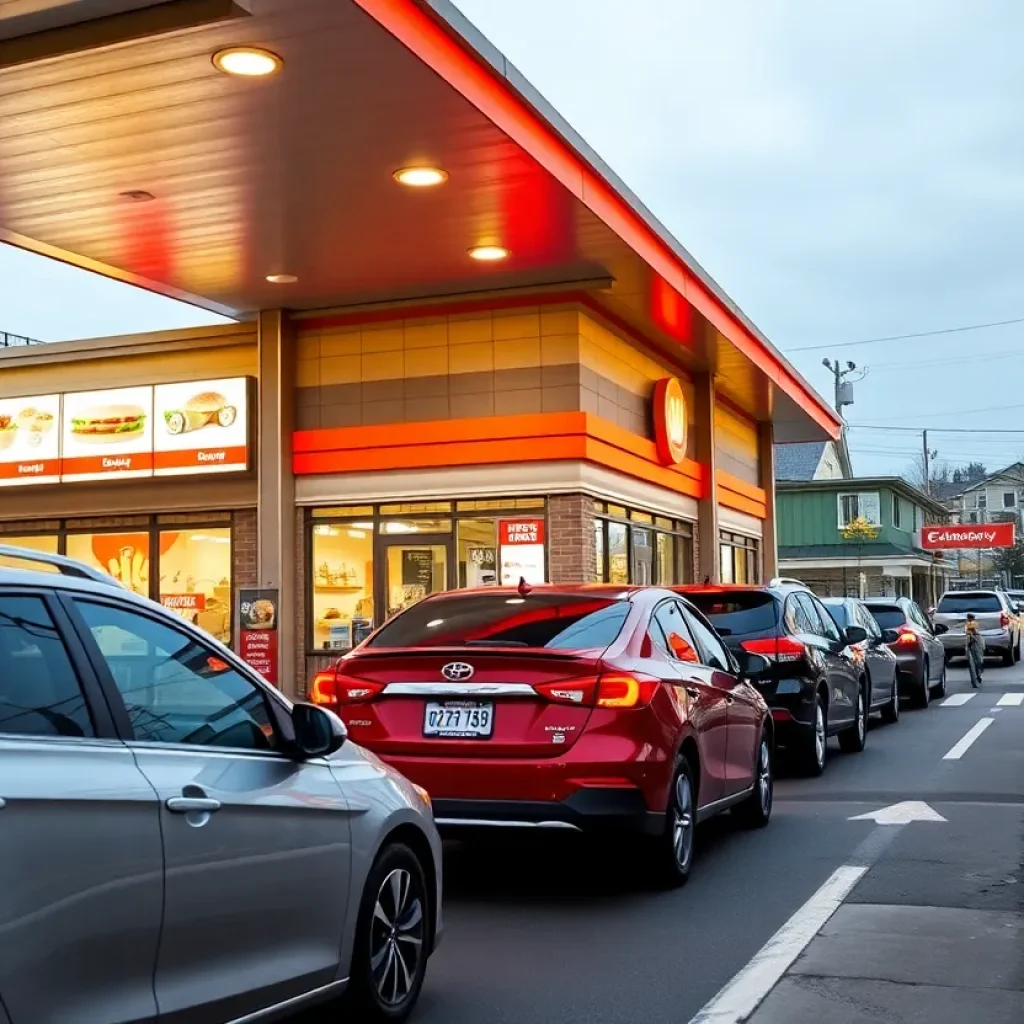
<point>957,700</point>
<point>741,996</point>
<point>901,814</point>
<point>1010,700</point>
<point>962,746</point>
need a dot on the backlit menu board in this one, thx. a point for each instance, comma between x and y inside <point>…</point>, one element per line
<point>107,434</point>
<point>191,428</point>
<point>201,427</point>
<point>29,440</point>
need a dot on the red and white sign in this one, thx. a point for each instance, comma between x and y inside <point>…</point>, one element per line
<point>107,434</point>
<point>670,418</point>
<point>201,427</point>
<point>989,535</point>
<point>184,602</point>
<point>521,551</point>
<point>29,440</point>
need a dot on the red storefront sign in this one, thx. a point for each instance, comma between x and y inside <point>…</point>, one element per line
<point>990,535</point>
<point>521,531</point>
<point>257,632</point>
<point>184,602</point>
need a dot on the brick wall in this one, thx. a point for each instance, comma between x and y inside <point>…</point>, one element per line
<point>571,554</point>
<point>244,564</point>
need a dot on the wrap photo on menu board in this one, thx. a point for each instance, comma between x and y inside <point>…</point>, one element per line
<point>201,427</point>
<point>107,434</point>
<point>29,440</point>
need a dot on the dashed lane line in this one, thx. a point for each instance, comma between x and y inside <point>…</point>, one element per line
<point>964,744</point>
<point>1010,700</point>
<point>957,700</point>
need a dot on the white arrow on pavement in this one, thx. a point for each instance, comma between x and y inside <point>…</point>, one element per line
<point>901,814</point>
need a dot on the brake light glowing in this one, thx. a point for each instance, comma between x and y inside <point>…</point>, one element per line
<point>332,687</point>
<point>906,638</point>
<point>610,690</point>
<point>1004,620</point>
<point>782,648</point>
<point>569,691</point>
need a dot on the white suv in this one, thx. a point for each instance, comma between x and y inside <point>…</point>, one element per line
<point>996,617</point>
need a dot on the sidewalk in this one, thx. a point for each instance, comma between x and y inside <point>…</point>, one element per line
<point>932,934</point>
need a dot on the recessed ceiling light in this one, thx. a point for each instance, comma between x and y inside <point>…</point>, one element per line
<point>420,177</point>
<point>137,195</point>
<point>282,278</point>
<point>489,252</point>
<point>247,61</point>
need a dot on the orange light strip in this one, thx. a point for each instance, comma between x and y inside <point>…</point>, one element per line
<point>433,43</point>
<point>490,440</point>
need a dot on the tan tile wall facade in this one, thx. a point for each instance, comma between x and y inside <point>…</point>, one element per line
<point>736,445</point>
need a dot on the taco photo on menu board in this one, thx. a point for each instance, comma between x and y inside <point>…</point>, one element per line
<point>108,424</point>
<point>209,408</point>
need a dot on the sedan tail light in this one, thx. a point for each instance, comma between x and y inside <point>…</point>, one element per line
<point>906,638</point>
<point>782,648</point>
<point>1004,620</point>
<point>333,687</point>
<point>609,690</point>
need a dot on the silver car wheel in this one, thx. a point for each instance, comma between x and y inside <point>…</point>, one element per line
<point>819,734</point>
<point>764,778</point>
<point>682,821</point>
<point>396,937</point>
<point>862,717</point>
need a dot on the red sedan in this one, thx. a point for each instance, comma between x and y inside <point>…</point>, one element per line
<point>569,707</point>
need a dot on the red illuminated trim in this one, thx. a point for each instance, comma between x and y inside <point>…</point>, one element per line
<point>435,43</point>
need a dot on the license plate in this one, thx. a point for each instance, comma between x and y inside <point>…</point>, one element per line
<point>458,720</point>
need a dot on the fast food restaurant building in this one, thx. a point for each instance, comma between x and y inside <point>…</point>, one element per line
<point>392,414</point>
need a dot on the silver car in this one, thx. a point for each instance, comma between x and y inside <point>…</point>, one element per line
<point>996,617</point>
<point>181,843</point>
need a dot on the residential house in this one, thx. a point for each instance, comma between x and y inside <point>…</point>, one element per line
<point>813,460</point>
<point>816,546</point>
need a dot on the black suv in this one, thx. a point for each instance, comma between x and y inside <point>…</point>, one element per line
<point>817,687</point>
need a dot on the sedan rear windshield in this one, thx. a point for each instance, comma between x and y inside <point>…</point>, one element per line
<point>888,616</point>
<point>959,603</point>
<point>564,622</point>
<point>737,613</point>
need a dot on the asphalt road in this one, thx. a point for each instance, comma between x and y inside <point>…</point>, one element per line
<point>563,931</point>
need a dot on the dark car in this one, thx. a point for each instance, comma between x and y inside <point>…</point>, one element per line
<point>587,707</point>
<point>815,688</point>
<point>919,655</point>
<point>873,653</point>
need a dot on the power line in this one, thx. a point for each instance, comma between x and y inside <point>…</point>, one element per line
<point>905,337</point>
<point>937,430</point>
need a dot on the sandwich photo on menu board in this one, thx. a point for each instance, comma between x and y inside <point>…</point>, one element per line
<point>108,434</point>
<point>201,427</point>
<point>29,441</point>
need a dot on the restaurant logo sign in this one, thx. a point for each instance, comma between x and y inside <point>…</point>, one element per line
<point>670,421</point>
<point>196,427</point>
<point>991,535</point>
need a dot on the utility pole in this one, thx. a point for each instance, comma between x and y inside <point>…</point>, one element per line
<point>927,467</point>
<point>843,387</point>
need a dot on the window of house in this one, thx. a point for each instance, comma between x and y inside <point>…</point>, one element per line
<point>861,504</point>
<point>1009,499</point>
<point>982,499</point>
<point>897,512</point>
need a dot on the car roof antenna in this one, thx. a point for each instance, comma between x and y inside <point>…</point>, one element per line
<point>524,588</point>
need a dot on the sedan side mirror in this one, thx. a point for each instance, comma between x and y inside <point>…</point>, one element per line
<point>856,634</point>
<point>938,628</point>
<point>890,636</point>
<point>318,732</point>
<point>751,665</point>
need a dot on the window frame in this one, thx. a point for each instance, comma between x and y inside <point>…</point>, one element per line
<point>1012,495</point>
<point>277,710</point>
<point>730,667</point>
<point>680,533</point>
<point>663,644</point>
<point>842,522</point>
<point>897,512</point>
<point>104,726</point>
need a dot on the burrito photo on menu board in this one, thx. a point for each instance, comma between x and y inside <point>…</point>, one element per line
<point>206,409</point>
<point>108,424</point>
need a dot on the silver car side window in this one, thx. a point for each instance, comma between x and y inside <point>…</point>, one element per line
<point>174,688</point>
<point>40,694</point>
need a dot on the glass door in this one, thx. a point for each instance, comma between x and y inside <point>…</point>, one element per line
<point>414,569</point>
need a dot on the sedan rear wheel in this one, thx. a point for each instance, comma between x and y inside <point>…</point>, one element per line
<point>815,746</point>
<point>940,689</point>
<point>853,739</point>
<point>672,853</point>
<point>891,710</point>
<point>756,810</point>
<point>923,694</point>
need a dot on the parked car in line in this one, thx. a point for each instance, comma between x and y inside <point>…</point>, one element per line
<point>919,653</point>
<point>588,707</point>
<point>1017,600</point>
<point>180,841</point>
<point>996,616</point>
<point>872,652</point>
<point>815,687</point>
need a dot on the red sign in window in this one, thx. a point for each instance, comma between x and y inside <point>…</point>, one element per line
<point>522,531</point>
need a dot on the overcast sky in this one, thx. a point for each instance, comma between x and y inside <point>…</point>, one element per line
<point>845,170</point>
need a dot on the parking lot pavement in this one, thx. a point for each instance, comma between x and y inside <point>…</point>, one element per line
<point>926,928</point>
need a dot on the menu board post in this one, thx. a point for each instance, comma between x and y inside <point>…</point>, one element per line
<point>257,630</point>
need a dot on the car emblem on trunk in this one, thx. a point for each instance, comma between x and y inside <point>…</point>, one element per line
<point>457,671</point>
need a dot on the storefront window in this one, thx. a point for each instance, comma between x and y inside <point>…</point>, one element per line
<point>666,554</point>
<point>43,543</point>
<point>739,557</point>
<point>125,556</point>
<point>599,547</point>
<point>478,552</point>
<point>195,577</point>
<point>643,558</point>
<point>643,550</point>
<point>618,562</point>
<point>342,584</point>
<point>412,572</point>
<point>394,527</point>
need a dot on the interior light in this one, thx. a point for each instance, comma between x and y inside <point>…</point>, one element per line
<point>516,600</point>
<point>358,534</point>
<point>434,622</point>
<point>247,61</point>
<point>489,253</point>
<point>420,177</point>
<point>399,528</point>
<point>282,278</point>
<point>362,526</point>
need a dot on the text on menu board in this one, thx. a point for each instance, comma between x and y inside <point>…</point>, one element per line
<point>192,427</point>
